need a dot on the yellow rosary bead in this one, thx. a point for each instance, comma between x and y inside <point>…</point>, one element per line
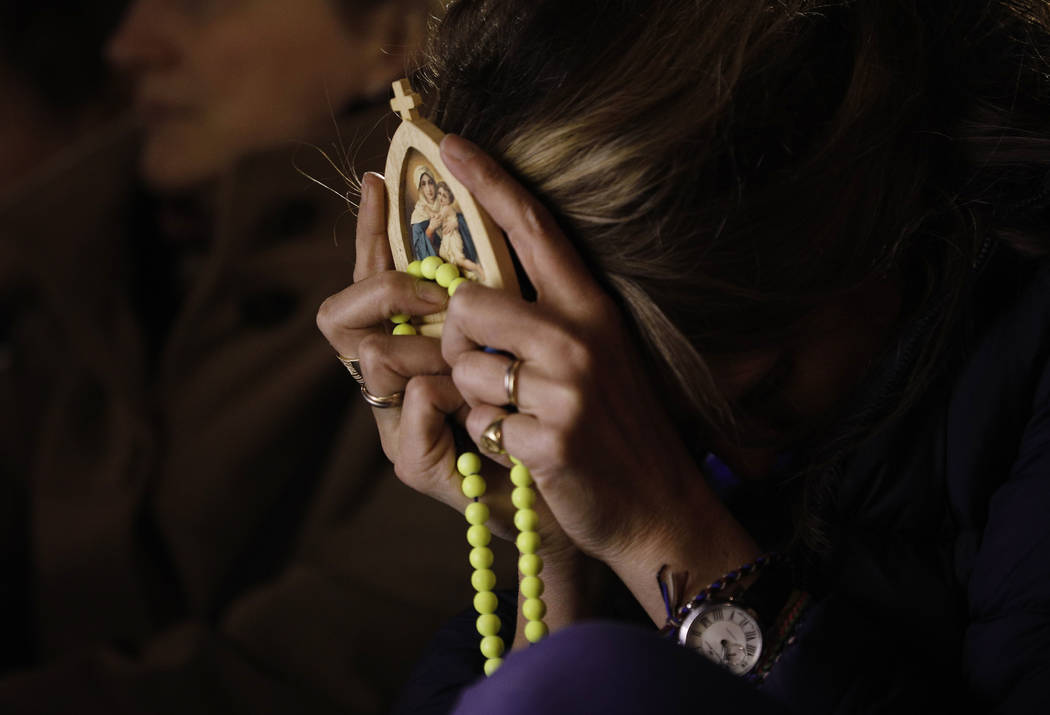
<point>485,602</point>
<point>415,268</point>
<point>523,497</point>
<point>400,318</point>
<point>531,587</point>
<point>520,476</point>
<point>488,624</point>
<point>534,609</point>
<point>535,631</point>
<point>479,535</point>
<point>445,274</point>
<point>483,579</point>
<point>492,665</point>
<point>473,486</point>
<point>528,542</point>
<point>456,282</point>
<point>481,557</point>
<point>404,329</point>
<point>526,520</point>
<point>530,565</point>
<point>428,267</point>
<point>492,646</point>
<point>468,463</point>
<point>476,513</point>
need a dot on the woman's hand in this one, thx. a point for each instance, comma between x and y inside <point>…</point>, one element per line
<point>590,426</point>
<point>417,436</point>
<point>355,322</point>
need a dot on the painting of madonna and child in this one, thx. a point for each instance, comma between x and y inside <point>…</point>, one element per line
<point>437,224</point>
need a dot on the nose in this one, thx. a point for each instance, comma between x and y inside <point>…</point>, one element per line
<point>141,40</point>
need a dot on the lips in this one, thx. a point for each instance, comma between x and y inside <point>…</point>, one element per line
<point>156,112</point>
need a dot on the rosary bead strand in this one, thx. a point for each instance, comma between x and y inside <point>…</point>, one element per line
<point>483,579</point>
<point>528,542</point>
<point>530,564</point>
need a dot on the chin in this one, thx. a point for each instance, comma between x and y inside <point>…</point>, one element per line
<point>169,166</point>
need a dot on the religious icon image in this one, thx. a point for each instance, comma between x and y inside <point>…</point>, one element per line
<point>432,215</point>
<point>436,219</point>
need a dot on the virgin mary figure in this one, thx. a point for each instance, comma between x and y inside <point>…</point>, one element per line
<point>425,211</point>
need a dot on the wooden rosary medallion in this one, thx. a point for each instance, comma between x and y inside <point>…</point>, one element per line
<point>430,213</point>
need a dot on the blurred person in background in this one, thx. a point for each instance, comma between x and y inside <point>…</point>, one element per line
<point>48,101</point>
<point>210,523</point>
<point>52,102</point>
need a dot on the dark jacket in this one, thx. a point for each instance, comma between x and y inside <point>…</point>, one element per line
<point>938,589</point>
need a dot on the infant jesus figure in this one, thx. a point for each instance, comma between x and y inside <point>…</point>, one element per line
<point>456,245</point>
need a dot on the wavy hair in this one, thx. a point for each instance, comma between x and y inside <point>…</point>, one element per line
<point>727,167</point>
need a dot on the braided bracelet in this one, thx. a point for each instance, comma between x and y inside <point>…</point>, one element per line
<point>783,635</point>
<point>674,618</point>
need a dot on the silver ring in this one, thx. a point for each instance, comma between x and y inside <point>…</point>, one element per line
<point>383,401</point>
<point>510,382</point>
<point>353,366</point>
<point>492,437</point>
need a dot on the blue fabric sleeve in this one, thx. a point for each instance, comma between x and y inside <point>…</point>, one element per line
<point>468,242</point>
<point>420,244</point>
<point>1007,646</point>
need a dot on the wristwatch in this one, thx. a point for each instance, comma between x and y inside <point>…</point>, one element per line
<point>732,630</point>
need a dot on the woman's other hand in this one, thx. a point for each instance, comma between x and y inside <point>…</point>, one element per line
<point>590,426</point>
<point>355,322</point>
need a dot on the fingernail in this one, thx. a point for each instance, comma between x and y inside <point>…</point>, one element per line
<point>457,147</point>
<point>364,191</point>
<point>431,292</point>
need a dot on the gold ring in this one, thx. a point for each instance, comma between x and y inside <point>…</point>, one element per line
<point>383,401</point>
<point>353,366</point>
<point>492,437</point>
<point>510,382</point>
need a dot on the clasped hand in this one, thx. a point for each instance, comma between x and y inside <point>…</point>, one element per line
<point>615,480</point>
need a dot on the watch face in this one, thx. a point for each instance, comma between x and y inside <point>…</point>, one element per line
<point>724,633</point>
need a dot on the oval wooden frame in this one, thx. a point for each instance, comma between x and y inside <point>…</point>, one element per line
<point>420,135</point>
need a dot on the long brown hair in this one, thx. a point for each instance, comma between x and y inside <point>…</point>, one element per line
<point>727,167</point>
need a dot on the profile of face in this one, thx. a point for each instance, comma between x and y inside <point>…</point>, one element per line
<point>215,80</point>
<point>427,187</point>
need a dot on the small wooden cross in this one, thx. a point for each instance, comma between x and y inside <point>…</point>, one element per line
<point>405,101</point>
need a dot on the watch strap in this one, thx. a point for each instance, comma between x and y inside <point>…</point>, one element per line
<point>768,594</point>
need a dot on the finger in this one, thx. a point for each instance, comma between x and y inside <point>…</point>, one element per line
<point>481,316</point>
<point>357,310</point>
<point>388,362</point>
<point>481,378</point>
<point>426,458</point>
<point>373,249</point>
<point>551,262</point>
<point>523,435</point>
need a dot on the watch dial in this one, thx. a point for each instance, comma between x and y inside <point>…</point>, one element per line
<point>726,634</point>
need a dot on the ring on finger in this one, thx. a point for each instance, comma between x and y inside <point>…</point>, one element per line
<point>353,366</point>
<point>510,382</point>
<point>383,401</point>
<point>492,437</point>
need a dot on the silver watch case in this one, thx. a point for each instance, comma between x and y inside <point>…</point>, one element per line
<point>724,632</point>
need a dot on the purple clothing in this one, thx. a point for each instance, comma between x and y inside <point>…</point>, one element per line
<point>610,668</point>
